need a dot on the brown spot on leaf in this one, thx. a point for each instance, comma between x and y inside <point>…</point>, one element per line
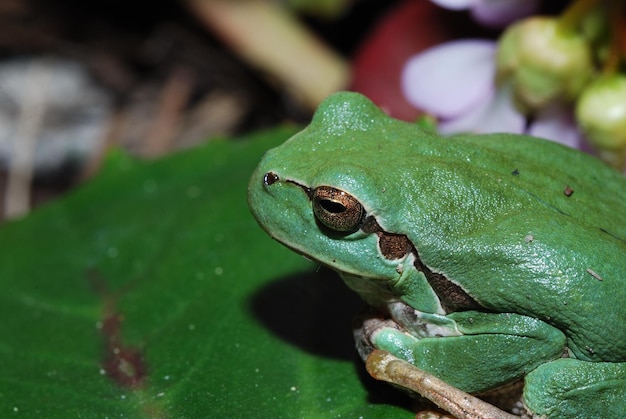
<point>122,363</point>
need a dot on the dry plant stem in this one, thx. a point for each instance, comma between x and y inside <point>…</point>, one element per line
<point>31,114</point>
<point>617,51</point>
<point>572,16</point>
<point>270,38</point>
<point>384,366</point>
<point>172,101</point>
<point>115,126</point>
<point>217,114</point>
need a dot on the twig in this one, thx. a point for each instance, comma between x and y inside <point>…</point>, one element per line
<point>267,36</point>
<point>172,101</point>
<point>30,119</point>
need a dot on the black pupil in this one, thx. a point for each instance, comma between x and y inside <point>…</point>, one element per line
<point>332,206</point>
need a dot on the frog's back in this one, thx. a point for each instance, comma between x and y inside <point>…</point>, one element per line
<point>349,130</point>
<point>562,240</point>
<point>569,181</point>
<point>522,224</point>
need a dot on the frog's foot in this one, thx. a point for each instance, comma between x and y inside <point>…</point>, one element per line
<point>572,388</point>
<point>365,326</point>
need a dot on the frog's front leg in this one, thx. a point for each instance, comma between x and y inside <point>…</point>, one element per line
<point>482,351</point>
<point>571,388</point>
<point>472,351</point>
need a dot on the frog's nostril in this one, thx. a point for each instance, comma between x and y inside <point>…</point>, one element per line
<point>270,178</point>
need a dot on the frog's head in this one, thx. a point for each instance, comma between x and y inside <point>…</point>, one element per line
<point>330,192</point>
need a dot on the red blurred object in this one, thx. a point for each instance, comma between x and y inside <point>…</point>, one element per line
<point>413,26</point>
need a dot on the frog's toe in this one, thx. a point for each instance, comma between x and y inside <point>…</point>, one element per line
<point>365,327</point>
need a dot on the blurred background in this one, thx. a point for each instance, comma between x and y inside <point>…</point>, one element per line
<point>77,78</point>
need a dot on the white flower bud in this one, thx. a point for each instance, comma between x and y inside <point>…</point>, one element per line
<point>601,113</point>
<point>544,62</point>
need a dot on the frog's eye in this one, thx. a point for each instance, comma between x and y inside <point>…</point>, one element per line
<point>336,209</point>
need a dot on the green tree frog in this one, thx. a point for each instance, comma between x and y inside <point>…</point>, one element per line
<point>488,258</point>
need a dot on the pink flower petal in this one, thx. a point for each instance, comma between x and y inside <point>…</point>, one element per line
<point>497,114</point>
<point>557,124</point>
<point>499,13</point>
<point>408,29</point>
<point>450,79</point>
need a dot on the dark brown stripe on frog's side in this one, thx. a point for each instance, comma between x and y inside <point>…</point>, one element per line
<point>395,246</point>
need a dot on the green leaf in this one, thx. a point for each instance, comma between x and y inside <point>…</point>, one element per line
<point>151,292</point>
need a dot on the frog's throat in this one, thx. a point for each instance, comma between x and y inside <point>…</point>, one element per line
<point>395,246</point>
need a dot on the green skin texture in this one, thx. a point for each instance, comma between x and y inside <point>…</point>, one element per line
<point>490,213</point>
